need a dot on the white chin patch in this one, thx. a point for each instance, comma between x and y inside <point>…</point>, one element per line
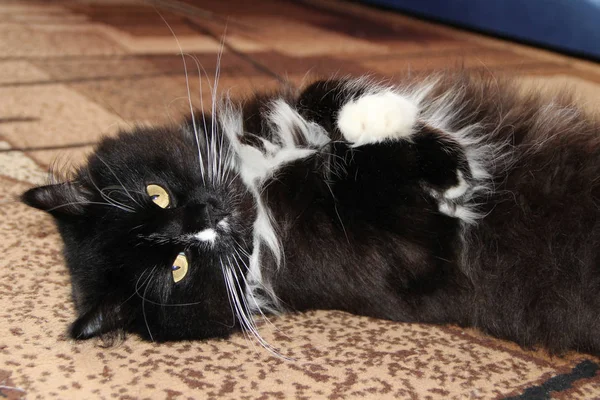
<point>208,235</point>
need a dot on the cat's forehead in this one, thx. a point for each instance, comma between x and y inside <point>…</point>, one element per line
<point>146,151</point>
<point>148,143</point>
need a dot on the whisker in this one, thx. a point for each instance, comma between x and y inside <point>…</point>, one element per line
<point>137,284</point>
<point>162,304</point>
<point>246,318</point>
<point>217,77</point>
<point>90,202</point>
<point>117,178</point>
<point>214,104</point>
<point>230,287</point>
<point>227,290</point>
<point>200,68</point>
<point>257,306</point>
<point>187,84</point>
<point>247,328</point>
<point>144,304</point>
<point>108,199</point>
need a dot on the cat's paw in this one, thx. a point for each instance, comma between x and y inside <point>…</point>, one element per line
<point>377,117</point>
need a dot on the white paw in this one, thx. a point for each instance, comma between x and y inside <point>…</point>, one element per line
<point>376,117</point>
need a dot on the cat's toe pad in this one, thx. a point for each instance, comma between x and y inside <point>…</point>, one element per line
<point>376,117</point>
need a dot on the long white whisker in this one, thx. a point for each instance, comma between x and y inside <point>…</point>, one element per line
<point>257,306</point>
<point>247,319</point>
<point>200,68</point>
<point>90,202</point>
<point>234,301</point>
<point>217,77</point>
<point>187,84</point>
<point>247,327</point>
<point>228,290</point>
<point>214,103</point>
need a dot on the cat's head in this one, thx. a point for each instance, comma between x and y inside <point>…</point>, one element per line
<point>157,229</point>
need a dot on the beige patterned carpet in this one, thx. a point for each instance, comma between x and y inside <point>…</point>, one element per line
<point>72,71</point>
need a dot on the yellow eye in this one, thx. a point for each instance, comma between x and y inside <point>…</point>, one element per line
<point>180,267</point>
<point>158,195</point>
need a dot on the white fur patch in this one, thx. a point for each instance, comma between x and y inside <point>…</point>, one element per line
<point>458,190</point>
<point>458,211</point>
<point>207,235</point>
<point>377,117</point>
<point>443,112</point>
<point>224,224</point>
<point>253,164</point>
<point>288,129</point>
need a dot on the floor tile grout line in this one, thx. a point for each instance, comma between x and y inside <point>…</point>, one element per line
<point>264,70</point>
<point>187,10</point>
<point>78,57</point>
<point>244,56</point>
<point>45,148</point>
<point>90,79</point>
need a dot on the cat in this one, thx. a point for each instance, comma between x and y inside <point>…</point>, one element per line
<point>456,198</point>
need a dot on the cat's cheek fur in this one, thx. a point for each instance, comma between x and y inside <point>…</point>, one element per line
<point>375,117</point>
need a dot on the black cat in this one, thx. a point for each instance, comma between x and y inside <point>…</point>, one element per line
<point>454,199</point>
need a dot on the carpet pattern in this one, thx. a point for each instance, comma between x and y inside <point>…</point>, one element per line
<point>73,71</point>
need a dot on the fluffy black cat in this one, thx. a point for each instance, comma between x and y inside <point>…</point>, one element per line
<point>455,199</point>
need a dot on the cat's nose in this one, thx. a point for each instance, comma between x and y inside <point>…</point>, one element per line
<point>202,216</point>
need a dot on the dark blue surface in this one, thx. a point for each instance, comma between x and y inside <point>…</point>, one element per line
<point>568,25</point>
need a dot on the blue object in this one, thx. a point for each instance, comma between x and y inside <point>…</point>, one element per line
<point>571,26</point>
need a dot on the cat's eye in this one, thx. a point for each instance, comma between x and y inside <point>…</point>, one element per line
<point>180,267</point>
<point>158,195</point>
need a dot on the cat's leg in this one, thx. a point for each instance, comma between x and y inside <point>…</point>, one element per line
<point>360,114</point>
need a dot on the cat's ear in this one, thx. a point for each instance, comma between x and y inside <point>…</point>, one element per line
<point>66,198</point>
<point>95,322</point>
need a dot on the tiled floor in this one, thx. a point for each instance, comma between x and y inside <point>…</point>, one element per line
<point>72,71</point>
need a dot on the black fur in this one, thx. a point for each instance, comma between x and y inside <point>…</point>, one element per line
<point>360,227</point>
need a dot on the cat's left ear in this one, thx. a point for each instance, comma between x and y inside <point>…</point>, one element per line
<point>66,198</point>
<point>97,321</point>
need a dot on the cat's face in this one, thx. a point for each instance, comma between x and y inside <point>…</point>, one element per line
<point>155,243</point>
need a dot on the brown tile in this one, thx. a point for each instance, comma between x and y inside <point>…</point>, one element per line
<point>134,19</point>
<point>138,66</point>
<point>293,38</point>
<point>287,65</point>
<point>482,58</point>
<point>66,159</point>
<point>42,41</point>
<point>162,100</point>
<point>52,115</point>
<point>17,166</point>
<point>15,72</point>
